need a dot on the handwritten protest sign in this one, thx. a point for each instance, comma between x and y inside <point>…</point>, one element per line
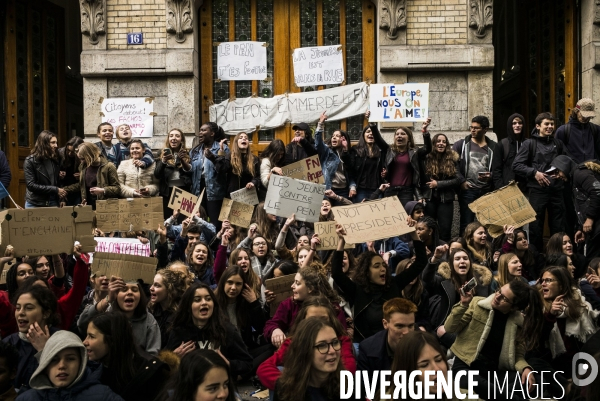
<point>506,205</point>
<point>123,246</point>
<point>281,287</point>
<point>245,195</point>
<point>128,267</point>
<point>287,195</point>
<point>321,65</point>
<point>185,202</point>
<point>129,214</point>
<point>137,112</point>
<point>399,103</point>
<point>308,169</point>
<point>371,221</point>
<point>245,114</point>
<point>239,214</point>
<point>328,236</point>
<point>241,61</point>
<point>46,231</point>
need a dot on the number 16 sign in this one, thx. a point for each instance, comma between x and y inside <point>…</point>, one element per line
<point>136,38</point>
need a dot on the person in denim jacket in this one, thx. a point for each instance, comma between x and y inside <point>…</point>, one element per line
<point>331,154</point>
<point>204,174</point>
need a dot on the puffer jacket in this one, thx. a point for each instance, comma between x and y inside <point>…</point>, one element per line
<point>42,185</point>
<point>106,178</point>
<point>446,184</point>
<point>441,285</point>
<point>472,326</point>
<point>133,178</point>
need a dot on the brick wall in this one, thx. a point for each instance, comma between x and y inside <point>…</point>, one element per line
<point>436,22</point>
<point>146,16</point>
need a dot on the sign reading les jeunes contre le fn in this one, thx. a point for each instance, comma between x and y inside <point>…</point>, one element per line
<point>287,196</point>
<point>399,103</point>
<point>242,61</point>
<point>137,112</point>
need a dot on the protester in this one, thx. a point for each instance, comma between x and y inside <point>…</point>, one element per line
<point>165,294</point>
<point>69,168</point>
<point>509,268</point>
<point>505,152</point>
<point>173,168</point>
<point>123,149</point>
<point>272,160</point>
<point>200,261</point>
<point>415,292</point>
<point>301,146</point>
<point>120,363</point>
<point>200,323</point>
<point>137,182</point>
<point>42,170</point>
<point>440,183</point>
<point>516,242</point>
<point>240,166</point>
<point>480,250</point>
<point>312,364</point>
<point>204,174</point>
<point>105,132</point>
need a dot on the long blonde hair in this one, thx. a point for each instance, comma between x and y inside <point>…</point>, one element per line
<point>237,157</point>
<point>89,152</point>
<point>504,276</point>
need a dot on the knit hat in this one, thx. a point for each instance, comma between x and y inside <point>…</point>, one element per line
<point>586,107</point>
<point>57,342</point>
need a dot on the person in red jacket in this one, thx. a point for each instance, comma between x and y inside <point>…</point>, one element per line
<point>317,306</point>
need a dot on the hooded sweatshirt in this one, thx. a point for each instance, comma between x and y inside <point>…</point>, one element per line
<point>83,388</point>
<point>502,171</point>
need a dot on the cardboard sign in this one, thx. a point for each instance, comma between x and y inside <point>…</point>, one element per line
<point>287,195</point>
<point>242,61</point>
<point>320,65</point>
<point>123,246</point>
<point>244,195</point>
<point>281,287</point>
<point>128,267</point>
<point>129,214</point>
<point>239,214</point>
<point>7,266</point>
<point>308,169</point>
<point>137,112</point>
<point>328,236</point>
<point>47,230</point>
<point>506,205</point>
<point>371,221</point>
<point>183,201</point>
<point>398,103</point>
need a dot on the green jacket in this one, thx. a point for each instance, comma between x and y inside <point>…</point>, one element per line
<point>107,178</point>
<point>473,324</point>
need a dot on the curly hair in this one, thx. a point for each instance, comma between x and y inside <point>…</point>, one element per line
<point>362,273</point>
<point>441,165</point>
<point>209,258</point>
<point>317,283</point>
<point>238,159</point>
<point>45,297</point>
<point>175,283</point>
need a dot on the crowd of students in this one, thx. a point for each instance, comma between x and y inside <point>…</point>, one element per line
<point>207,321</point>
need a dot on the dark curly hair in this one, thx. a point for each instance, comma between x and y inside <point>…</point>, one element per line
<point>362,273</point>
<point>45,298</point>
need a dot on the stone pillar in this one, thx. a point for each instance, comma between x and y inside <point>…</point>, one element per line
<point>447,43</point>
<point>590,48</point>
<point>164,67</point>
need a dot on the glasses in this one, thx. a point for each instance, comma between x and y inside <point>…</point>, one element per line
<point>502,297</point>
<point>40,265</point>
<point>547,280</point>
<point>323,348</point>
<point>259,244</point>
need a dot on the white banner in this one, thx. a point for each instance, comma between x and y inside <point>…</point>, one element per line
<point>287,195</point>
<point>399,103</point>
<point>321,65</point>
<point>135,111</point>
<point>124,246</point>
<point>242,61</point>
<point>245,114</point>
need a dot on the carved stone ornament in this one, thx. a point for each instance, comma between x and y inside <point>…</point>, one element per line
<point>597,13</point>
<point>393,17</point>
<point>179,19</point>
<point>92,18</point>
<point>482,16</point>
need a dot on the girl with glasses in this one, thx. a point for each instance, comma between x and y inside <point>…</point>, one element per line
<point>311,370</point>
<point>492,336</point>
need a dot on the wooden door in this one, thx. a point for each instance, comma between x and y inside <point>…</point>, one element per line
<point>285,25</point>
<point>34,81</point>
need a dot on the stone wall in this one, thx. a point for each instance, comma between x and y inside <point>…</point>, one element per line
<point>436,22</point>
<point>590,46</point>
<point>145,16</point>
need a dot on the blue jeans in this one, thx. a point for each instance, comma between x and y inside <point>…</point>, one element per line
<point>362,193</point>
<point>464,198</point>
<point>48,204</point>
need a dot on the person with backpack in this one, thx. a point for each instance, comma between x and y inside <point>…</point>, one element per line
<point>502,171</point>
<point>476,156</point>
<point>533,162</point>
<point>580,139</point>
